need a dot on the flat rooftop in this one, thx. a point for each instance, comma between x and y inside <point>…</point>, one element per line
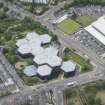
<point>32,43</point>
<point>97,29</point>
<point>68,66</point>
<point>30,70</point>
<point>49,56</point>
<point>36,1</point>
<point>44,70</point>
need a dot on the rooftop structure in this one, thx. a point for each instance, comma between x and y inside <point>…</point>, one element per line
<point>32,35</point>
<point>32,43</point>
<point>68,66</point>
<point>49,56</point>
<point>36,1</point>
<point>24,49</point>
<point>21,42</point>
<point>44,70</point>
<point>97,29</point>
<point>59,20</point>
<point>45,39</point>
<point>9,82</point>
<point>36,50</point>
<point>52,50</point>
<point>30,70</point>
<point>45,58</point>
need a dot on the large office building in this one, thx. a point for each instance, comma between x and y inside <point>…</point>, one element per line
<point>49,56</point>
<point>31,44</point>
<point>45,59</point>
<point>97,29</point>
<point>36,1</point>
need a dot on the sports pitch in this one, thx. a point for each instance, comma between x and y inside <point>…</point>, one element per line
<point>68,26</point>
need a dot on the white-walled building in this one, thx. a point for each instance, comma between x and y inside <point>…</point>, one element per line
<point>45,39</point>
<point>97,29</point>
<point>36,1</point>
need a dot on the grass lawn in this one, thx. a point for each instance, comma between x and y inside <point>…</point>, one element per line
<point>101,94</point>
<point>29,80</point>
<point>88,94</point>
<point>86,20</point>
<point>71,55</point>
<point>68,26</point>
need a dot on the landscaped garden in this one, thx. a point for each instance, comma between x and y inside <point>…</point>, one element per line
<point>10,31</point>
<point>13,29</point>
<point>71,55</point>
<point>68,26</point>
<point>89,94</point>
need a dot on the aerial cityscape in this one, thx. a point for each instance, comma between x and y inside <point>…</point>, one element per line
<point>52,52</point>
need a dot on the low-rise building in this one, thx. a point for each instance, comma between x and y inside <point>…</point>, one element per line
<point>68,67</point>
<point>44,71</point>
<point>31,44</point>
<point>45,39</point>
<point>49,57</point>
<point>24,49</point>
<point>30,70</point>
<point>45,58</point>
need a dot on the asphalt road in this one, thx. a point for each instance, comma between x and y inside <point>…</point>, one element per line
<point>58,86</point>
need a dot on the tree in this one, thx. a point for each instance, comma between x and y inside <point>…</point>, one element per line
<point>3,15</point>
<point>1,5</point>
<point>98,101</point>
<point>67,50</point>
<point>86,67</point>
<point>6,9</point>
